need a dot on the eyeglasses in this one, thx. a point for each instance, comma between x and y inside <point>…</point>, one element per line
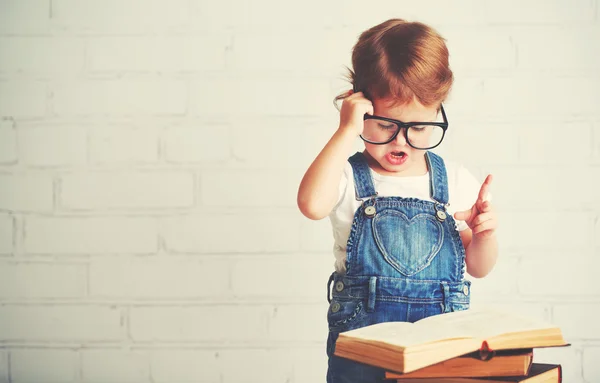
<point>420,135</point>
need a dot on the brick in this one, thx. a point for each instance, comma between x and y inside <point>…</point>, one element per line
<point>6,234</point>
<point>310,363</point>
<point>173,276</point>
<point>596,144</point>
<point>538,97</point>
<point>538,143</point>
<point>151,54</point>
<point>26,192</point>
<point>539,12</point>
<point>231,233</point>
<point>24,16</point>
<point>251,365</point>
<point>547,277</point>
<point>177,365</point>
<point>530,309</point>
<point>577,321</point>
<point>204,143</point>
<point>317,236</point>
<point>487,142</point>
<point>61,323</point>
<point>90,235</point>
<point>8,142</point>
<point>591,369</point>
<point>307,53</point>
<point>299,322</point>
<point>567,51</point>
<point>549,231</point>
<point>123,145</point>
<point>120,97</point>
<point>125,190</point>
<point>224,15</point>
<point>50,55</point>
<point>310,136</point>
<point>269,96</point>
<point>4,372</point>
<point>569,357</point>
<point>45,365</point>
<point>540,186</point>
<point>124,365</point>
<point>119,17</point>
<point>22,98</point>
<point>261,188</point>
<point>219,323</point>
<point>46,146</point>
<point>500,282</point>
<point>432,12</point>
<point>269,15</point>
<point>262,16</point>
<point>52,280</point>
<point>465,99</point>
<point>597,227</point>
<point>308,280</point>
<point>479,48</point>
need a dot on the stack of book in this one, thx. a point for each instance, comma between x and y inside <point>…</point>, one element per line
<point>471,346</point>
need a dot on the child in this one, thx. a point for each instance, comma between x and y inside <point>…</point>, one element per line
<point>406,224</point>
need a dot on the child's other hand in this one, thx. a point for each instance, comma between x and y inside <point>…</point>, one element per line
<point>353,110</point>
<point>481,218</point>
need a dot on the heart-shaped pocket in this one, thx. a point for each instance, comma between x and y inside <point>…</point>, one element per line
<point>408,245</point>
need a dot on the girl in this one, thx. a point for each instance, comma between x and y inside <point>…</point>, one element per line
<point>406,224</point>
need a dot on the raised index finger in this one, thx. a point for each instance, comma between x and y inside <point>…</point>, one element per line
<point>485,187</point>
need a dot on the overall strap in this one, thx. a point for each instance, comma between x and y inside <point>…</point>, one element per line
<point>363,182</point>
<point>438,179</point>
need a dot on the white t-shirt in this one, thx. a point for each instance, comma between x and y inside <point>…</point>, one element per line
<point>463,190</point>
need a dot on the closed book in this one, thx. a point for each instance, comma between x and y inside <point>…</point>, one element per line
<point>502,363</point>
<point>539,373</point>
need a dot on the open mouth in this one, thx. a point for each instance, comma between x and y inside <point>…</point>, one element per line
<point>396,157</point>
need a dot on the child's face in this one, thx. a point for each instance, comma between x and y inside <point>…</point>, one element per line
<point>398,157</point>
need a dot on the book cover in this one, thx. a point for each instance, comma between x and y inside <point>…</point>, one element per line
<point>539,373</point>
<point>501,363</point>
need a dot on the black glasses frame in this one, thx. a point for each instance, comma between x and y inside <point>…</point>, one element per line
<point>407,125</point>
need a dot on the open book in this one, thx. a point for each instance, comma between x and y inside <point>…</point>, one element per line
<point>405,346</point>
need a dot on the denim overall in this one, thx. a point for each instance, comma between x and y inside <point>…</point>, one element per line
<point>405,261</point>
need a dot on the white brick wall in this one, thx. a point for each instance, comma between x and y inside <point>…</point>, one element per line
<point>8,142</point>
<point>121,144</point>
<point>52,146</point>
<point>23,98</point>
<point>150,153</point>
<point>6,234</point>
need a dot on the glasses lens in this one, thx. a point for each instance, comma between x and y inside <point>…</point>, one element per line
<point>377,131</point>
<point>425,136</point>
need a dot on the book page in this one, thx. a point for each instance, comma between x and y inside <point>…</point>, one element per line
<point>480,323</point>
<point>403,334</point>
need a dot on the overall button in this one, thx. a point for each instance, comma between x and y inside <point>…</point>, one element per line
<point>466,290</point>
<point>339,286</point>
<point>335,307</point>
<point>370,211</point>
<point>441,216</point>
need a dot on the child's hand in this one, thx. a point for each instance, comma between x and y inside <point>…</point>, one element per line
<point>481,218</point>
<point>353,110</point>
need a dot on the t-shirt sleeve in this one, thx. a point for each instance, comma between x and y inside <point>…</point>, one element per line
<point>467,191</point>
<point>347,173</point>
